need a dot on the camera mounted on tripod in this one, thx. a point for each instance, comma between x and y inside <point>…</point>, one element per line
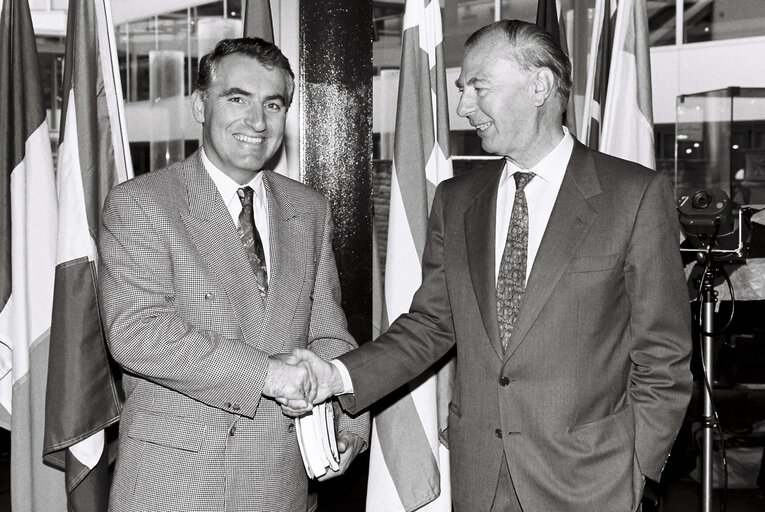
<point>714,226</point>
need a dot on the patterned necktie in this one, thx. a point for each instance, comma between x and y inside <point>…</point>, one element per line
<point>253,245</point>
<point>511,280</point>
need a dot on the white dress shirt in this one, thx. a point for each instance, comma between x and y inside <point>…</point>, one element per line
<point>227,188</point>
<point>541,193</point>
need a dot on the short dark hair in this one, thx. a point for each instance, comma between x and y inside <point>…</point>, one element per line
<point>532,48</point>
<point>265,52</point>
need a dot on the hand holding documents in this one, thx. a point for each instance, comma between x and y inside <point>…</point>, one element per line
<point>318,440</point>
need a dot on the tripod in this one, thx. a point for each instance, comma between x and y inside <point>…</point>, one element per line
<point>708,298</point>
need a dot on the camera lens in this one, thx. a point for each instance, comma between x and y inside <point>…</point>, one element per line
<point>701,200</point>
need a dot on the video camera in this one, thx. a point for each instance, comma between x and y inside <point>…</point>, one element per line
<point>714,225</point>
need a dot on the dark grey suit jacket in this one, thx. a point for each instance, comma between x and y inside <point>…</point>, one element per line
<point>185,321</point>
<point>591,392</point>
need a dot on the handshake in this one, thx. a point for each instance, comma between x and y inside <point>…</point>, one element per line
<point>299,380</point>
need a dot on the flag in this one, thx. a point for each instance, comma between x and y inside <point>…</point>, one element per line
<point>408,466</point>
<point>28,221</point>
<point>549,19</point>
<point>93,156</point>
<point>597,71</point>
<point>627,129</point>
<point>257,20</point>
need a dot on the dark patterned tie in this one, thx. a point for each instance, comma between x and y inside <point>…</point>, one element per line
<point>253,245</point>
<point>512,270</point>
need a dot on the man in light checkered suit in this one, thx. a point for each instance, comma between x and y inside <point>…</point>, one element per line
<point>198,340</point>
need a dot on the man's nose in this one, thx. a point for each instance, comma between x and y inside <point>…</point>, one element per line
<point>466,104</point>
<point>256,118</point>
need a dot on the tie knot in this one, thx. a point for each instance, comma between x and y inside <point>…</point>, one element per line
<point>522,179</point>
<point>245,195</point>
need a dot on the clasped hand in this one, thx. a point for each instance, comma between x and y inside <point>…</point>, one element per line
<point>299,380</point>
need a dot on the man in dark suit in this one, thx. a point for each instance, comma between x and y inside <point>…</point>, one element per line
<point>210,269</point>
<point>556,273</point>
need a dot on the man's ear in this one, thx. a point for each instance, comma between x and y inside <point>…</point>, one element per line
<point>198,106</point>
<point>543,84</point>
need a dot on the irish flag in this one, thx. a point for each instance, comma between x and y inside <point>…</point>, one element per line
<point>28,216</point>
<point>93,156</point>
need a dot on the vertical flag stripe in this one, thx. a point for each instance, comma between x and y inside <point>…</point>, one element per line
<point>408,427</point>
<point>414,124</point>
<point>547,18</point>
<point>83,398</point>
<point>607,11</point>
<point>94,134</point>
<point>110,79</point>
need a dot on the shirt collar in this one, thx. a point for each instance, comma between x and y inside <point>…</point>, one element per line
<point>225,185</point>
<point>552,167</point>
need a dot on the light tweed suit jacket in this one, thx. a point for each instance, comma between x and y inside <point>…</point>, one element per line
<point>185,321</point>
<point>592,389</point>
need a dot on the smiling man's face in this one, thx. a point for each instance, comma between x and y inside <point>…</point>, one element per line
<point>497,97</point>
<point>243,113</point>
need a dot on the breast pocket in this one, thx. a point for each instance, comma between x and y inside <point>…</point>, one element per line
<point>595,263</point>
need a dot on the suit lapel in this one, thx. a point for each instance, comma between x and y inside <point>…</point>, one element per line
<point>210,226</point>
<point>480,222</point>
<point>289,250</point>
<point>570,220</point>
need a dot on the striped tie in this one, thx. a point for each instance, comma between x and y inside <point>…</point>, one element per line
<point>511,280</point>
<point>253,245</point>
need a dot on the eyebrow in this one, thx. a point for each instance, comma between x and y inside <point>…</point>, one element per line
<point>460,84</point>
<point>233,91</point>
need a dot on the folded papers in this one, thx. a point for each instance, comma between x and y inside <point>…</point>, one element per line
<point>317,440</point>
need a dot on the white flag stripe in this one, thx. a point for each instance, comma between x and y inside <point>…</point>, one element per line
<point>89,451</point>
<point>383,495</point>
<point>627,135</point>
<point>401,256</point>
<point>438,168</point>
<point>26,315</point>
<point>75,241</point>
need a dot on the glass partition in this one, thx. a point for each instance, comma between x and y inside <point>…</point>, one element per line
<point>720,143</point>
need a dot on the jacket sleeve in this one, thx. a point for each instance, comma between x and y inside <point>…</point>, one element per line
<point>660,327</point>
<point>146,333</point>
<point>328,335</point>
<point>417,339</point>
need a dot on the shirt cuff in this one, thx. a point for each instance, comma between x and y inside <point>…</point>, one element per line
<point>347,383</point>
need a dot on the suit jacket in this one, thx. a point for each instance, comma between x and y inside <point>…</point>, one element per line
<point>185,321</point>
<point>591,391</point>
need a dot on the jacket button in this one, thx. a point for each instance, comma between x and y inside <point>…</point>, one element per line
<point>499,433</point>
<point>232,430</point>
<point>209,296</point>
<point>235,407</point>
<point>227,405</point>
<point>504,381</point>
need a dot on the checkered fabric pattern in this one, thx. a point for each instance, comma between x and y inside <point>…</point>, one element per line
<point>184,320</point>
<point>512,270</point>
